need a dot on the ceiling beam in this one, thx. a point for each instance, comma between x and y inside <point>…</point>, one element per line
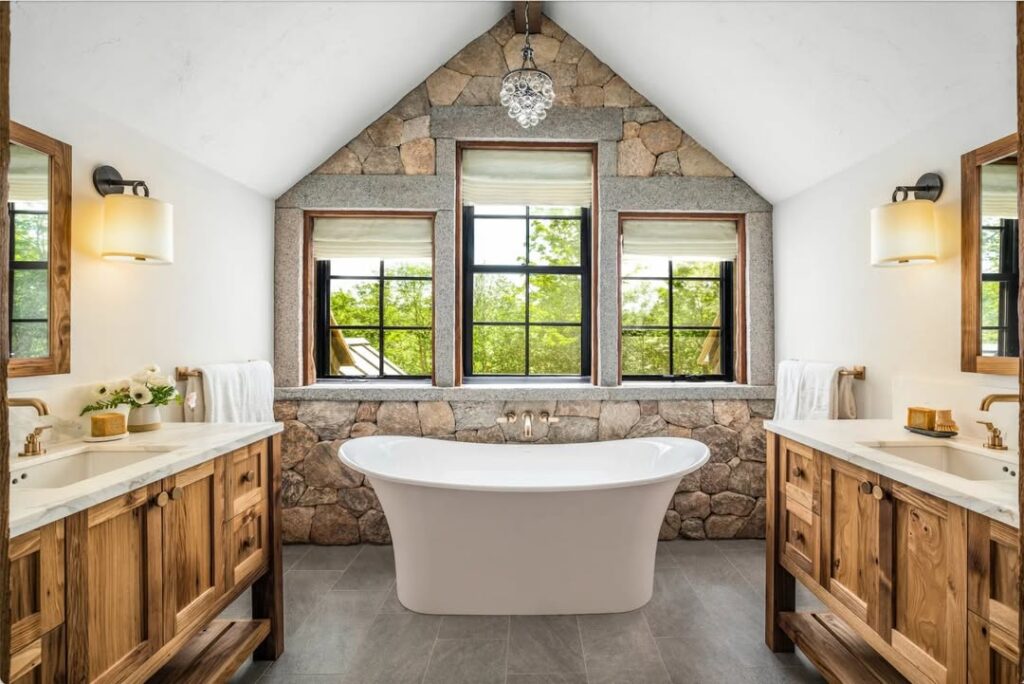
<point>519,16</point>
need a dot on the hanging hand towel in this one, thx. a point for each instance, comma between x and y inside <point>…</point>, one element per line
<point>238,392</point>
<point>813,391</point>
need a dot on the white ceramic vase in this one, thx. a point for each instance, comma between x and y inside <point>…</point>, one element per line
<point>144,418</point>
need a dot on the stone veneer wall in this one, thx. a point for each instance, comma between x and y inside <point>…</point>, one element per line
<point>325,502</point>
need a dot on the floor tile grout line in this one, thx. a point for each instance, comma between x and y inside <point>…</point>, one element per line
<point>430,656</point>
<point>650,632</point>
<point>583,650</point>
<point>740,571</point>
<point>508,645</point>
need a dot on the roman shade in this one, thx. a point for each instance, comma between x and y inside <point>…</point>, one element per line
<point>683,239</point>
<point>29,175</point>
<point>999,191</point>
<point>372,237</point>
<point>560,178</point>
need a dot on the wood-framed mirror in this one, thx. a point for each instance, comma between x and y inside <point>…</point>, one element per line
<point>989,238</point>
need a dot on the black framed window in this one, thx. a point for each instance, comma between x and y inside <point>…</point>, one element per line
<point>374,318</point>
<point>526,291</point>
<point>999,287</point>
<point>29,284</point>
<point>677,319</point>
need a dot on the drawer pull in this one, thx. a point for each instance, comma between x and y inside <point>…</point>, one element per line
<point>798,472</point>
<point>161,499</point>
<point>248,543</point>
<point>248,476</point>
<point>177,493</point>
<point>878,493</point>
<point>799,536</point>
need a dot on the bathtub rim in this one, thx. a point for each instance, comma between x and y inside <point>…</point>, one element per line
<point>527,489</point>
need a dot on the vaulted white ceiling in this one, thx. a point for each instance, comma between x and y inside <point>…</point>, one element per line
<point>786,94</point>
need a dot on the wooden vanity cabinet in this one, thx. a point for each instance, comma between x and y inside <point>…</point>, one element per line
<point>37,605</point>
<point>798,495</point>
<point>992,572</point>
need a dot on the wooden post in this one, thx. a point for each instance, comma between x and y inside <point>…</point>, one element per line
<point>268,591</point>
<point>5,437</point>
<point>780,586</point>
<point>1020,332</point>
<point>519,16</point>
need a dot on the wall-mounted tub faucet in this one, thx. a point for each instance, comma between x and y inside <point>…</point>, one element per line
<point>528,418</point>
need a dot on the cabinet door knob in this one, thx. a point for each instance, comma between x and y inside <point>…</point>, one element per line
<point>161,499</point>
<point>248,542</point>
<point>799,537</point>
<point>865,487</point>
<point>798,471</point>
<point>177,493</point>
<point>248,476</point>
<point>878,492</point>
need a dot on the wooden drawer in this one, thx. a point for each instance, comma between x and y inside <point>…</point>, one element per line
<point>799,537</point>
<point>37,584</point>
<point>246,477</point>
<point>991,653</point>
<point>248,543</point>
<point>992,571</point>
<point>798,474</point>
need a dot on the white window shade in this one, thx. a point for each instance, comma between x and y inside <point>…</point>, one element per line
<point>376,238</point>
<point>560,178</point>
<point>999,191</point>
<point>686,240</point>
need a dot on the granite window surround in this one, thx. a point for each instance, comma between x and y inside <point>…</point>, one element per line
<point>437,193</point>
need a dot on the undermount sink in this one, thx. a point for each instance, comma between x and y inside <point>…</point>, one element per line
<point>80,466</point>
<point>949,459</point>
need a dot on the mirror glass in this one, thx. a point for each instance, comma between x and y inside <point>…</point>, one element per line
<point>998,247</point>
<point>28,208</point>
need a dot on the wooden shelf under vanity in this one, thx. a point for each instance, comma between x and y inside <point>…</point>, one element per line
<point>214,653</point>
<point>918,589</point>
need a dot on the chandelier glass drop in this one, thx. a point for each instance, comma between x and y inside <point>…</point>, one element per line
<point>527,91</point>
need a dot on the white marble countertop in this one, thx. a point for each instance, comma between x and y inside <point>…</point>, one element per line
<point>855,441</point>
<point>192,444</point>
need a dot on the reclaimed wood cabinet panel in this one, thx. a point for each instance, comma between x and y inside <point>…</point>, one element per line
<point>193,545</point>
<point>992,572</point>
<point>797,473</point>
<point>856,529</point>
<point>991,653</point>
<point>42,661</point>
<point>248,543</point>
<point>246,477</point>
<point>115,586</point>
<point>929,579</point>
<point>36,584</point>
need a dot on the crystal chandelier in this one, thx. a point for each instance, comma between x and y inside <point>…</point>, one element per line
<point>527,91</point>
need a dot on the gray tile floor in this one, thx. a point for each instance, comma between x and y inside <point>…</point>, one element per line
<point>344,624</point>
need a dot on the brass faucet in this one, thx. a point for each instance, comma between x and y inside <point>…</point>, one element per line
<point>33,443</point>
<point>987,402</point>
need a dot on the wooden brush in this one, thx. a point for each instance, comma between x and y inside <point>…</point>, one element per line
<point>944,421</point>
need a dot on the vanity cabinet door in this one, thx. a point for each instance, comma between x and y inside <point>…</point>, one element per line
<point>929,583</point>
<point>248,543</point>
<point>193,523</point>
<point>114,579</point>
<point>37,584</point>
<point>991,654</point>
<point>856,538</point>
<point>992,571</point>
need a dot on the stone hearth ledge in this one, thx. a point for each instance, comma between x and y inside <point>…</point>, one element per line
<point>194,444</point>
<point>408,391</point>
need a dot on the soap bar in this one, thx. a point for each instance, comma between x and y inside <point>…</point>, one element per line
<point>921,418</point>
<point>108,424</point>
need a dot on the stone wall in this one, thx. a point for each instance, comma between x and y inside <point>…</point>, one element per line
<point>327,503</point>
<point>400,141</point>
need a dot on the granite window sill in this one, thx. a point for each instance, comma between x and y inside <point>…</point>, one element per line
<point>406,391</point>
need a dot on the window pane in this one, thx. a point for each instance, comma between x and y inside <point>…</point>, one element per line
<point>555,242</point>
<point>499,298</point>
<point>354,302</point>
<point>645,352</point>
<point>648,268</point>
<point>499,241</point>
<point>990,343</point>
<point>990,250</point>
<point>696,352</point>
<point>31,237</point>
<point>499,350</point>
<point>695,302</point>
<point>696,269</point>
<point>29,298</point>
<point>30,340</point>
<point>407,352</point>
<point>408,267</point>
<point>554,298</point>
<point>990,292</point>
<point>355,267</point>
<point>407,302</point>
<point>354,353</point>
<point>645,302</point>
<point>554,350</point>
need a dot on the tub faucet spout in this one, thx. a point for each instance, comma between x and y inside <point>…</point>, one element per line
<point>528,424</point>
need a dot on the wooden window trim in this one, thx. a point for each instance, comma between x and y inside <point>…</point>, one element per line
<point>971,360</point>
<point>739,284</point>
<point>595,232</point>
<point>309,216</point>
<point>59,358</point>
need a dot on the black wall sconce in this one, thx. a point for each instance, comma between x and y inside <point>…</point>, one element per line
<point>136,227</point>
<point>903,232</point>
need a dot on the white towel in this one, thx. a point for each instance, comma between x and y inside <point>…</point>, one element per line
<point>813,391</point>
<point>235,393</point>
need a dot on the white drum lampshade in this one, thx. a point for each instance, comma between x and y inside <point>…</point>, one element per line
<point>136,227</point>
<point>903,233</point>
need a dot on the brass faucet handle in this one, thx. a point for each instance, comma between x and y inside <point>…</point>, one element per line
<point>33,443</point>
<point>546,417</point>
<point>508,418</point>
<point>995,436</point>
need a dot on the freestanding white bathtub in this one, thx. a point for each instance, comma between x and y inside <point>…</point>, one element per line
<point>483,529</point>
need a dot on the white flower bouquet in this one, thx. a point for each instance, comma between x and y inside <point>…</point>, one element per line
<point>146,388</point>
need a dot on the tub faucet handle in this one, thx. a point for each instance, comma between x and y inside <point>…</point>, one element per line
<point>509,417</point>
<point>546,417</point>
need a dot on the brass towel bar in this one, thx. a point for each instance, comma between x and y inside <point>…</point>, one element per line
<point>857,372</point>
<point>182,373</point>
